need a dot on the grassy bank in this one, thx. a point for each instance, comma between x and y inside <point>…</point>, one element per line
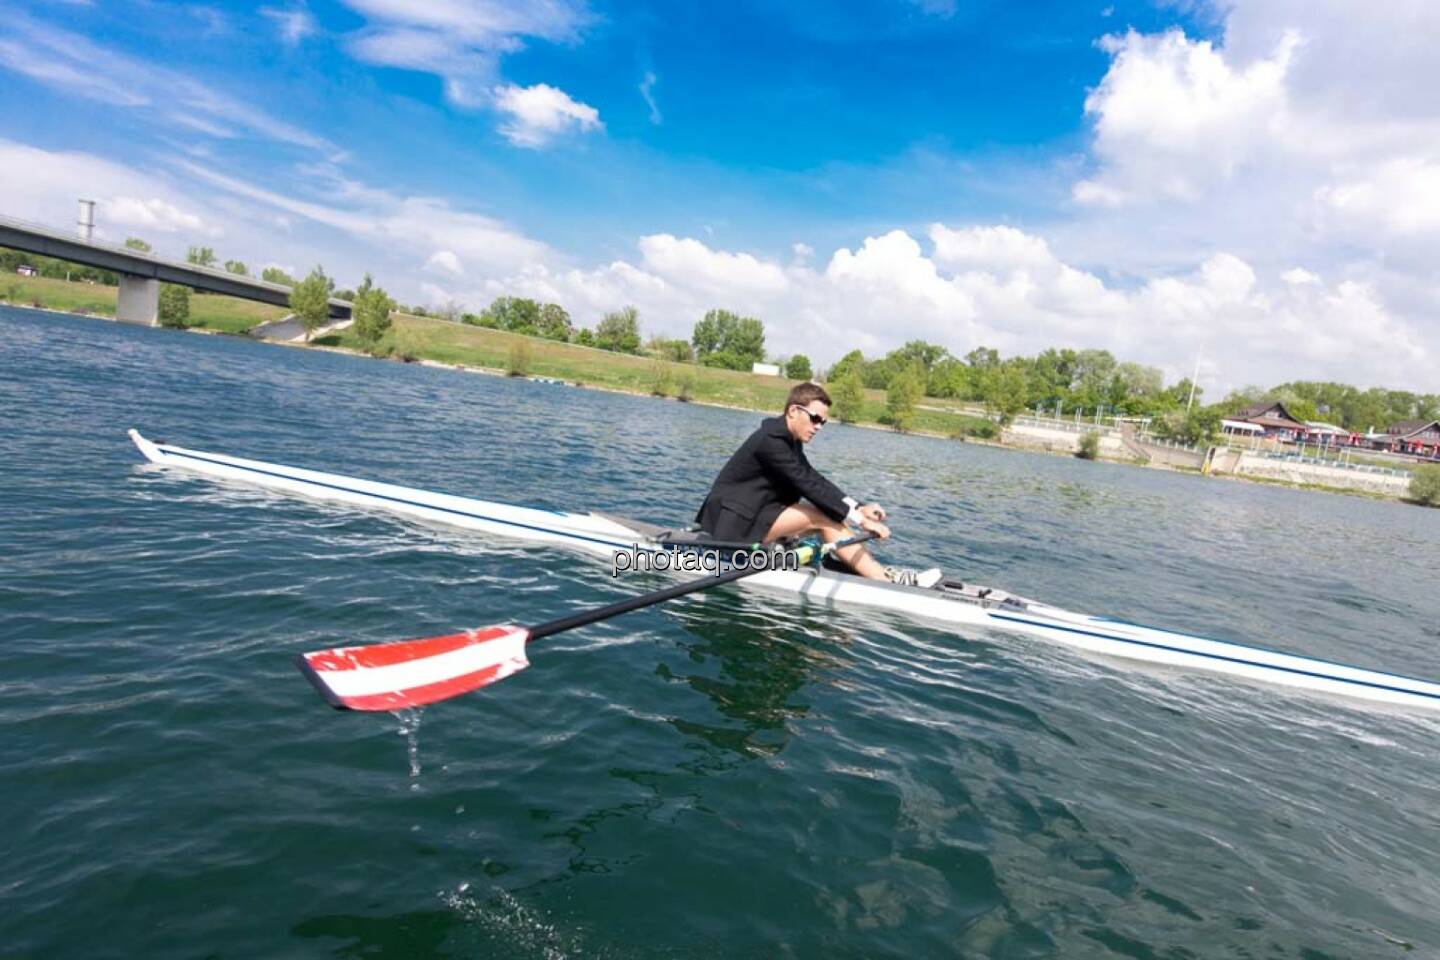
<point>207,311</point>
<point>463,345</point>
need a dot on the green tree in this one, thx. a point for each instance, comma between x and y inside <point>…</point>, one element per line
<point>1425,485</point>
<point>798,367</point>
<point>554,323</point>
<point>201,256</point>
<point>852,362</point>
<point>585,338</point>
<point>371,307</point>
<point>983,358</point>
<point>901,396</point>
<point>710,330</point>
<point>916,353</point>
<point>1050,377</point>
<point>1089,448</point>
<point>135,243</point>
<point>515,314</point>
<point>1135,388</point>
<point>276,275</point>
<point>619,331</point>
<point>848,394</point>
<point>950,378</point>
<point>1094,372</point>
<point>723,338</point>
<point>174,305</point>
<point>1198,426</point>
<point>310,300</point>
<point>1004,389</point>
<point>237,267</point>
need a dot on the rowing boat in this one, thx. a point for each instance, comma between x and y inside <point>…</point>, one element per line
<point>952,603</point>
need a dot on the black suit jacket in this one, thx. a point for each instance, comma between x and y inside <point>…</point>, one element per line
<point>767,474</point>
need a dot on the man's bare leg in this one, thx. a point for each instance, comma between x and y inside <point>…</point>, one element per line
<point>802,518</point>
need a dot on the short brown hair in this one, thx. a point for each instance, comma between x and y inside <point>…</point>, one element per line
<point>804,393</point>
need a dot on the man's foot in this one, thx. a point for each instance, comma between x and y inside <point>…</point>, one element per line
<point>906,577</point>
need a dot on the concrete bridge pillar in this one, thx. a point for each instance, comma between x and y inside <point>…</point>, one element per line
<point>139,300</point>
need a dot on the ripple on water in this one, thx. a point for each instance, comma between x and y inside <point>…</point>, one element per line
<point>733,774</point>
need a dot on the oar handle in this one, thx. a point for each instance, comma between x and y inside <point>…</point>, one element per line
<point>669,593</point>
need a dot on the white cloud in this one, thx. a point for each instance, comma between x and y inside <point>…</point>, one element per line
<point>1399,197</point>
<point>460,41</point>
<point>647,90</point>
<point>293,24</point>
<point>989,247</point>
<point>693,263</point>
<point>1173,115</point>
<point>444,261</point>
<point>976,284</point>
<point>39,183</point>
<point>72,63</point>
<point>1002,287</point>
<point>155,214</point>
<point>540,113</point>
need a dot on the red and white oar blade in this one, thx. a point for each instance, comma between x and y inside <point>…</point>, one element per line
<point>412,673</point>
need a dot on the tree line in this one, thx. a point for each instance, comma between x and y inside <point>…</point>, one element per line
<point>1062,381</point>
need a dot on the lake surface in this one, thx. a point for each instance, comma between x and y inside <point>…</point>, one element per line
<point>729,775</point>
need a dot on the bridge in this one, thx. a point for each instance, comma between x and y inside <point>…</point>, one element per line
<point>142,273</point>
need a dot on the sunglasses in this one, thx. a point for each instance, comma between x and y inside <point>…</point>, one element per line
<point>815,418</point>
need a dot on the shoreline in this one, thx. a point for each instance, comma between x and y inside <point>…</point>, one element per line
<point>497,372</point>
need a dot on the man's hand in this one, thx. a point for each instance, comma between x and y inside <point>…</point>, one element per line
<point>869,523</point>
<point>872,511</point>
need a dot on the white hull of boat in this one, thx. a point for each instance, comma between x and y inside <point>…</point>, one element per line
<point>603,535</point>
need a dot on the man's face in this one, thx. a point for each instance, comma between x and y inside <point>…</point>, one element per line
<point>804,422</point>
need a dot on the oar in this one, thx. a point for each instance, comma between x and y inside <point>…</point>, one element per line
<point>412,673</point>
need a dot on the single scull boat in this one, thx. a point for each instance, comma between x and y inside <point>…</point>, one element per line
<point>952,603</point>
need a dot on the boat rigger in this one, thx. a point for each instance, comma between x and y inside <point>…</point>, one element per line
<point>951,603</point>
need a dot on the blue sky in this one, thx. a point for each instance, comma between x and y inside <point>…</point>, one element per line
<point>1139,176</point>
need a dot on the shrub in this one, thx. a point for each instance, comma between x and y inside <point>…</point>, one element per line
<point>662,383</point>
<point>1425,485</point>
<point>685,387</point>
<point>1089,445</point>
<point>983,429</point>
<point>174,305</point>
<point>519,363</point>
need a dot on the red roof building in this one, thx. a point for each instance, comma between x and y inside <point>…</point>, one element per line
<point>1420,437</point>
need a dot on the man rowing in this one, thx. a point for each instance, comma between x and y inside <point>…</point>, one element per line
<point>757,495</point>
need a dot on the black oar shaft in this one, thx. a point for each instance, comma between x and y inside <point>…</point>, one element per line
<point>669,593</point>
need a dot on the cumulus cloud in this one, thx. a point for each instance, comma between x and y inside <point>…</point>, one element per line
<point>1298,137</point>
<point>1002,287</point>
<point>540,113</point>
<point>1172,115</point>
